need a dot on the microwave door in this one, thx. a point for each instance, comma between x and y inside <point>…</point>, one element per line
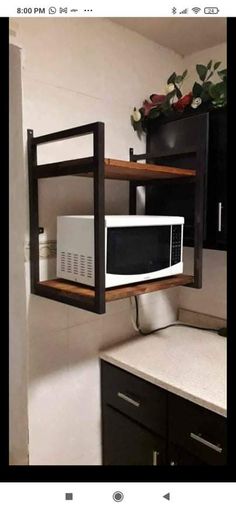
<point>138,250</point>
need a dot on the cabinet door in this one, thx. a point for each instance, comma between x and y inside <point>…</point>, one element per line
<point>125,442</point>
<point>197,430</point>
<point>177,143</point>
<point>178,456</point>
<point>217,177</point>
<point>177,197</point>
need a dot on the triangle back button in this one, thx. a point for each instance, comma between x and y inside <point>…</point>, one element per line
<point>166,496</point>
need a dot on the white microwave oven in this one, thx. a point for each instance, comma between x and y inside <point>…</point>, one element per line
<point>137,248</point>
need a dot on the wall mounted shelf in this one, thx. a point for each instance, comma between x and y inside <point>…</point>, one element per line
<point>133,171</point>
<point>113,169</point>
<point>64,289</point>
<point>98,168</point>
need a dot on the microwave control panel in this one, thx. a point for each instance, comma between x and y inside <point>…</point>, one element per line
<point>176,244</point>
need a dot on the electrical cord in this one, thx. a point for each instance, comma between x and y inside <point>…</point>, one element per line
<point>139,329</point>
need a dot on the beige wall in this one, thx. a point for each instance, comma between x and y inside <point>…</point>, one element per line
<point>18,337</point>
<point>76,72</point>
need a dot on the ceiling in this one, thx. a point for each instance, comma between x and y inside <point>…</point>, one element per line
<point>184,36</point>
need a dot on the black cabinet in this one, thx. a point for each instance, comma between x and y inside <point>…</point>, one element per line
<point>143,424</point>
<point>176,143</point>
<point>138,399</point>
<point>179,456</point>
<point>196,430</point>
<point>217,181</point>
<point>125,442</point>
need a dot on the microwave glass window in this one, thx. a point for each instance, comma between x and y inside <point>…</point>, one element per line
<point>138,250</point>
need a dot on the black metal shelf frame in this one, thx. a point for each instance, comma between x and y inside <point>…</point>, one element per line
<point>95,164</point>
<point>65,168</point>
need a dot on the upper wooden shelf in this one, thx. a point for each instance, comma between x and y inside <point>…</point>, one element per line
<point>129,170</point>
<point>114,169</point>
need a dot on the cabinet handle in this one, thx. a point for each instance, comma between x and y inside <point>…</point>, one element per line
<point>155,455</point>
<point>128,399</point>
<point>219,216</point>
<point>199,438</point>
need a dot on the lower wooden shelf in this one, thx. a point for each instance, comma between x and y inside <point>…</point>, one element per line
<point>64,290</point>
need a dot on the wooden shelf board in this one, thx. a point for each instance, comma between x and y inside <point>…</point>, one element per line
<point>133,171</point>
<point>65,288</point>
<point>120,169</point>
<point>114,169</point>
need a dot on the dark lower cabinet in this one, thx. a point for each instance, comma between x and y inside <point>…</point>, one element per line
<point>197,430</point>
<point>126,442</point>
<point>143,424</point>
<point>179,456</point>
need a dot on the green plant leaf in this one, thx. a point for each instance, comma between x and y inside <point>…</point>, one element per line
<point>178,79</point>
<point>216,65</point>
<point>209,65</point>
<point>178,92</point>
<point>205,96</point>
<point>172,78</point>
<point>197,90</point>
<point>184,74</point>
<point>222,74</point>
<point>217,90</point>
<point>166,106</point>
<point>210,75</point>
<point>206,85</point>
<point>154,113</point>
<point>201,71</point>
<point>170,95</point>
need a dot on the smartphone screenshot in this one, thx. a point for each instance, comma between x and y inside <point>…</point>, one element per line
<point>120,338</point>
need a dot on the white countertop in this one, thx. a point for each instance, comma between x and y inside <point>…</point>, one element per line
<point>188,362</point>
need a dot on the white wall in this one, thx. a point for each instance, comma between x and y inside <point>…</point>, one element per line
<point>211,299</point>
<point>17,322</point>
<point>77,71</point>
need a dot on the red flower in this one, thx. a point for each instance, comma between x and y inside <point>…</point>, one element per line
<point>156,100</point>
<point>183,102</point>
<point>147,107</point>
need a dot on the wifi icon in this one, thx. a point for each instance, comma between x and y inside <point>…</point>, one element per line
<point>196,10</point>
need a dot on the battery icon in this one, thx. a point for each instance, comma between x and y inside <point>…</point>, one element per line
<point>211,10</point>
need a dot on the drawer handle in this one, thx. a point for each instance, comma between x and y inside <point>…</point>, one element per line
<point>128,399</point>
<point>155,456</point>
<point>205,442</point>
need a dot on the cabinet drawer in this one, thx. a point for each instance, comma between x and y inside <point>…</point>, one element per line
<point>200,431</point>
<point>136,398</point>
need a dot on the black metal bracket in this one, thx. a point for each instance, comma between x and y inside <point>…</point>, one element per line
<point>93,164</point>
<point>133,184</point>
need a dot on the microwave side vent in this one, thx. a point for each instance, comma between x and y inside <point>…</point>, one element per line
<point>69,262</point>
<point>76,264</point>
<point>89,267</point>
<point>82,265</point>
<point>63,262</point>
